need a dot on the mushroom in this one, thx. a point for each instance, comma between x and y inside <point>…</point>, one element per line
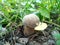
<point>31,23</point>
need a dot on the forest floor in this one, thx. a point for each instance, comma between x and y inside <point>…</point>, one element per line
<point>17,37</point>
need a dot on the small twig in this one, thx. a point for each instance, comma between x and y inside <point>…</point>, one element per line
<point>15,38</point>
<point>11,39</point>
<point>53,23</point>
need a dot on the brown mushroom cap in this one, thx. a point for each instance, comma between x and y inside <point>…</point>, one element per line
<point>30,20</point>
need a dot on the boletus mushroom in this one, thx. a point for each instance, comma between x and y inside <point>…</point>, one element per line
<point>31,23</point>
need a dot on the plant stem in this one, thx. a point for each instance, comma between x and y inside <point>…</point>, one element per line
<point>53,23</point>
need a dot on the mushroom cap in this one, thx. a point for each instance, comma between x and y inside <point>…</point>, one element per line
<point>30,20</point>
<point>41,26</point>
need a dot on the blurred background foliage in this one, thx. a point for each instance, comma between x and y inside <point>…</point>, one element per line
<point>12,11</point>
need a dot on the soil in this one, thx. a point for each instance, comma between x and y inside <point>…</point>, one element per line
<point>17,37</point>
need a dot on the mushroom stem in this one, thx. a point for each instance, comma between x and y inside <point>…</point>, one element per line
<point>28,31</point>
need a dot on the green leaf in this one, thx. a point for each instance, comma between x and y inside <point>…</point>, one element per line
<point>0,26</point>
<point>31,9</point>
<point>58,42</point>
<point>44,12</point>
<point>57,36</point>
<point>0,7</point>
<point>8,24</point>
<point>0,0</point>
